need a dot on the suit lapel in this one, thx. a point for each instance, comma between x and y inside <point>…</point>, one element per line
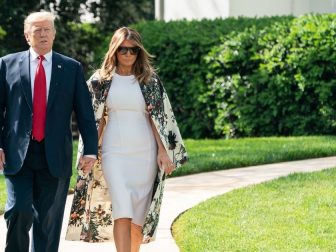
<point>24,65</point>
<point>56,73</point>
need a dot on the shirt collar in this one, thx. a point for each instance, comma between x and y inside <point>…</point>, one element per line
<point>34,55</point>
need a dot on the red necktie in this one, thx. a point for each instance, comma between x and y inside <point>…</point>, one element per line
<point>39,101</point>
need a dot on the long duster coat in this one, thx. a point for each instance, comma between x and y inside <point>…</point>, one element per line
<point>91,212</point>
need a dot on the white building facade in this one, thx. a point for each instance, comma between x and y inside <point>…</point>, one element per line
<point>198,9</point>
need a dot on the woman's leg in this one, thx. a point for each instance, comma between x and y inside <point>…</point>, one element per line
<point>136,237</point>
<point>122,234</point>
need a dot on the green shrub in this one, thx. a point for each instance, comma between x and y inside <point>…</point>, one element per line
<point>179,48</point>
<point>279,80</point>
<point>2,32</point>
<point>2,35</point>
<point>79,41</point>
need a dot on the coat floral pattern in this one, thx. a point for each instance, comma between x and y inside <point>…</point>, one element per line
<point>91,212</point>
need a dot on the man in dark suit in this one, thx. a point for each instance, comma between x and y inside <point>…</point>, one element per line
<point>39,89</point>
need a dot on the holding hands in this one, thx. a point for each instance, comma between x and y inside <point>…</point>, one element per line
<point>86,163</point>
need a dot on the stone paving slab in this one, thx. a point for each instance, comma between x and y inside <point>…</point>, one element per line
<point>182,193</point>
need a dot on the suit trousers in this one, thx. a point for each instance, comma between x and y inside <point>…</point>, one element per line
<point>34,199</point>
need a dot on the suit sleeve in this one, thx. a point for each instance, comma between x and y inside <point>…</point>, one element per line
<point>2,100</point>
<point>84,114</point>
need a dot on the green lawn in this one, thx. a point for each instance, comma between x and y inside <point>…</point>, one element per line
<point>294,213</point>
<point>2,193</point>
<point>209,155</point>
<point>74,168</point>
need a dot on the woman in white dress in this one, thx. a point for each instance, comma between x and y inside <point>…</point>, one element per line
<point>139,144</point>
<point>131,146</point>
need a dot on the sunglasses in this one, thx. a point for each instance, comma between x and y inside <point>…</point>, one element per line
<point>124,49</point>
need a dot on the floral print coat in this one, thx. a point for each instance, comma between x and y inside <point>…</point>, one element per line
<point>91,212</point>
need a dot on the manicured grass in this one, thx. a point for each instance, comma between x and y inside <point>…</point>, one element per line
<point>2,193</point>
<point>209,155</point>
<point>294,213</point>
<point>74,168</point>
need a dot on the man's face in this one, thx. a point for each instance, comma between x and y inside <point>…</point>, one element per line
<point>40,36</point>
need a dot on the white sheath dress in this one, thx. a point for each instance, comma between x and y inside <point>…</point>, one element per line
<point>128,150</point>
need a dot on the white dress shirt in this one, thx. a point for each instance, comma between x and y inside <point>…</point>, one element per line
<point>47,64</point>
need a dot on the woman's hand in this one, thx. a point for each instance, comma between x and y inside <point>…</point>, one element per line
<point>2,159</point>
<point>164,161</point>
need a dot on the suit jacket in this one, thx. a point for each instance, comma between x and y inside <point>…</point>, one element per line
<point>91,211</point>
<point>68,92</point>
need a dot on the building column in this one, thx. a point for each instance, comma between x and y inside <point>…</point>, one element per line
<point>159,9</point>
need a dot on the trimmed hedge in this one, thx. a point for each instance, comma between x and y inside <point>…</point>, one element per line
<point>246,76</point>
<point>81,41</point>
<point>179,48</point>
<point>280,80</point>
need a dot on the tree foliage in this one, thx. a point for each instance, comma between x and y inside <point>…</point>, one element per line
<point>114,14</point>
<point>12,16</point>
<point>276,81</point>
<point>73,38</point>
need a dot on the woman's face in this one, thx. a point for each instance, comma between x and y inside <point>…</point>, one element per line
<point>127,54</point>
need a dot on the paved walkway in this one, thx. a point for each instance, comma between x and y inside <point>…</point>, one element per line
<point>185,192</point>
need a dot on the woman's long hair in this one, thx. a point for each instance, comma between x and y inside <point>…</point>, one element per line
<point>142,68</point>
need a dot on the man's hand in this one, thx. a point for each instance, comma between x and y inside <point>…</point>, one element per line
<point>2,159</point>
<point>86,163</point>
